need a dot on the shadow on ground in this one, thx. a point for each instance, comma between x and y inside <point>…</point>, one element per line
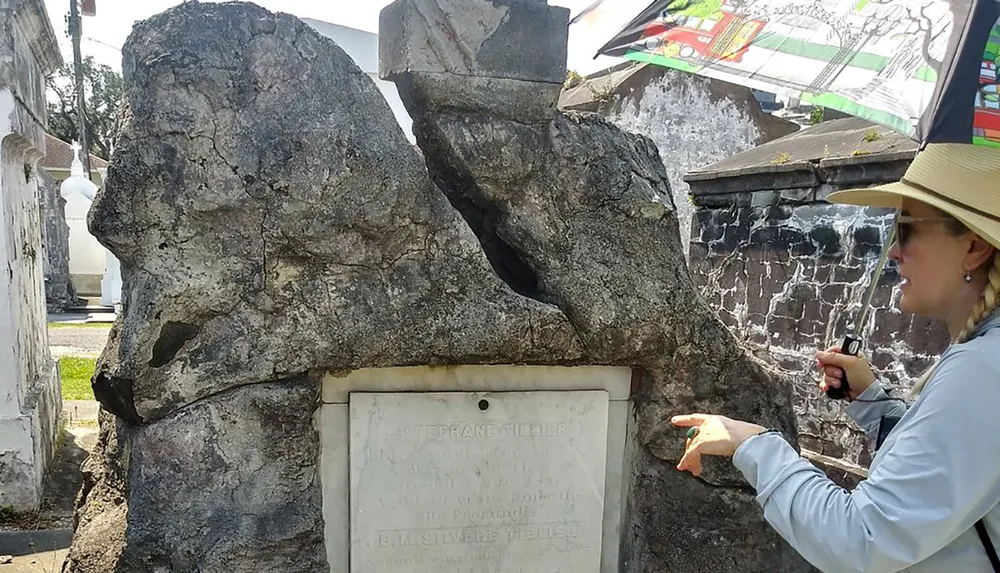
<point>37,542</point>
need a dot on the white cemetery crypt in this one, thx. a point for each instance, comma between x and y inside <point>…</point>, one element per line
<point>30,399</point>
<point>77,185</point>
<point>338,354</point>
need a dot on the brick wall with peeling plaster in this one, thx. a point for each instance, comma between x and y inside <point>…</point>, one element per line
<point>787,272</point>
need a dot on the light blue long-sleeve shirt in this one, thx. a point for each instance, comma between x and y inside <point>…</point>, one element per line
<point>937,473</point>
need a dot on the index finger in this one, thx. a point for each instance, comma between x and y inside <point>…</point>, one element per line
<point>689,420</point>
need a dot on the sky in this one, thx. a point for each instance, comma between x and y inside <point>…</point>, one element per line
<point>105,33</point>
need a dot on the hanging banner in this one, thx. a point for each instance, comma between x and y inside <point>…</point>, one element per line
<point>926,68</point>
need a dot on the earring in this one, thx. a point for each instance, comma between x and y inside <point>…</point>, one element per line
<point>968,277</point>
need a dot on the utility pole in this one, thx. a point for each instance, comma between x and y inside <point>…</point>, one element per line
<point>76,32</point>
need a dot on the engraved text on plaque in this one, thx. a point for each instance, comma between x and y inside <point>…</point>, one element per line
<point>477,483</point>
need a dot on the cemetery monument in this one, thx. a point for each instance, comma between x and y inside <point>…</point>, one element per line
<point>339,353</point>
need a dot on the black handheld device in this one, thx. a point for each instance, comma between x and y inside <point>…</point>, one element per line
<point>851,347</point>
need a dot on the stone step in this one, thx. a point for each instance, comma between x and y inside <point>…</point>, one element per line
<point>39,551</point>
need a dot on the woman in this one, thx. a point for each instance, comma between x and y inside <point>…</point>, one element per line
<point>938,471</point>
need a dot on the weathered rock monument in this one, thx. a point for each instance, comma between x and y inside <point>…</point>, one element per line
<point>337,355</point>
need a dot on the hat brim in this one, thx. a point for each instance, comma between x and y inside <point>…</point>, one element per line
<point>893,194</point>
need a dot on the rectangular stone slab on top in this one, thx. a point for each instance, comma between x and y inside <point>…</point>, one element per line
<point>506,57</point>
<point>512,39</point>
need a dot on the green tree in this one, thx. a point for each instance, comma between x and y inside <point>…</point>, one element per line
<point>104,91</point>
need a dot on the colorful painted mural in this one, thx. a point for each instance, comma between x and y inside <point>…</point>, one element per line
<point>907,64</point>
<point>986,125</point>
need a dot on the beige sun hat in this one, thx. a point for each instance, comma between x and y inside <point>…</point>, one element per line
<point>960,179</point>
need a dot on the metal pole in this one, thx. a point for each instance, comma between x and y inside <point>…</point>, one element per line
<point>76,31</point>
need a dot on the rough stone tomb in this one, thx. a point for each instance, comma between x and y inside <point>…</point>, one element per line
<point>279,238</point>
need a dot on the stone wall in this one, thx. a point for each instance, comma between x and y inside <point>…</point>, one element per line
<point>30,400</point>
<point>787,272</point>
<point>694,121</point>
<point>59,290</point>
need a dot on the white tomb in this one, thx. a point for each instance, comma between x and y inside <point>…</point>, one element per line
<point>75,187</point>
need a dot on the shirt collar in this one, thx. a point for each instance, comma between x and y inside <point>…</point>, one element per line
<point>993,321</point>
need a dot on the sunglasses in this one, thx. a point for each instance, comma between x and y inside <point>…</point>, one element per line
<point>903,227</point>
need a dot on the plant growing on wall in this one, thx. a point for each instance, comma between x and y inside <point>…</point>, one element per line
<point>782,158</point>
<point>872,135</point>
<point>573,79</point>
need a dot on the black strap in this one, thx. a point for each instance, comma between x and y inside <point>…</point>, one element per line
<point>991,551</point>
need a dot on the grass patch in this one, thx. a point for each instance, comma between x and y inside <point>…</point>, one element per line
<point>79,325</point>
<point>75,374</point>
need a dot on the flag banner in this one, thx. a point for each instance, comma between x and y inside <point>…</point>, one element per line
<point>926,68</point>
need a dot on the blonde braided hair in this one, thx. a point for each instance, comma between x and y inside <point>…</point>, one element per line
<point>982,310</point>
<point>987,303</point>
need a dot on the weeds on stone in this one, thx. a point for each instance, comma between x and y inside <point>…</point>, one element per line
<point>781,158</point>
<point>573,79</point>
<point>603,94</point>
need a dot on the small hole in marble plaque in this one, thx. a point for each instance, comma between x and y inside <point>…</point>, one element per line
<point>483,404</point>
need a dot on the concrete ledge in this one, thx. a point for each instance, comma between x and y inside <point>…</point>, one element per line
<point>762,178</point>
<point>616,380</point>
<point>845,474</point>
<point>840,172</point>
<point>840,152</point>
<point>792,196</point>
<point>715,174</point>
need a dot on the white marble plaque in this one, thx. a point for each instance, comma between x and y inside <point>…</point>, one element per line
<point>477,482</point>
